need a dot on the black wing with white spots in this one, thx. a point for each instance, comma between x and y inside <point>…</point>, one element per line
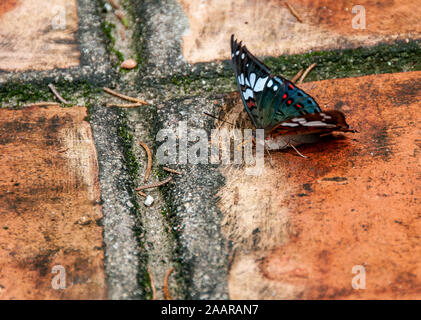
<point>251,75</point>
<point>268,99</point>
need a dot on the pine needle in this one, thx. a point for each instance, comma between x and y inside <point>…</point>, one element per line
<point>41,104</point>
<point>127,105</point>
<point>297,76</point>
<point>58,95</point>
<point>306,73</point>
<point>149,156</point>
<point>172,170</point>
<point>154,185</point>
<point>124,97</point>
<point>165,288</point>
<point>294,13</point>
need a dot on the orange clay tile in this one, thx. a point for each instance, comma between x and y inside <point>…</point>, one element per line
<point>301,227</point>
<point>269,27</point>
<point>38,35</point>
<point>49,205</point>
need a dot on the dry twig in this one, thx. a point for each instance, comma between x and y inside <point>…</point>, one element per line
<point>149,155</point>
<point>123,20</point>
<point>58,95</point>
<point>41,104</point>
<point>306,72</point>
<point>172,170</point>
<point>142,194</point>
<point>165,288</point>
<point>294,13</point>
<point>297,76</point>
<point>124,97</point>
<point>127,105</point>
<point>154,185</point>
<point>114,4</point>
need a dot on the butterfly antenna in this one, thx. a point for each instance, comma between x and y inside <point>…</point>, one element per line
<point>352,130</point>
<point>212,116</point>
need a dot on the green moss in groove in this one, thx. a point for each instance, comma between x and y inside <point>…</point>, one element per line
<point>169,213</point>
<point>132,165</point>
<point>382,58</point>
<point>18,94</point>
<point>130,157</point>
<point>108,29</point>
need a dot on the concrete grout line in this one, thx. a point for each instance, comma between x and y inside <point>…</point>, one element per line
<point>203,250</point>
<point>157,240</point>
<point>119,223</point>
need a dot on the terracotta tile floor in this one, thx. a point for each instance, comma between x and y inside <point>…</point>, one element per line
<point>303,225</point>
<point>49,209</point>
<point>267,27</point>
<point>38,35</point>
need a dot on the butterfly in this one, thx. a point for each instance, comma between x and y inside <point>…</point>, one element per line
<point>288,115</point>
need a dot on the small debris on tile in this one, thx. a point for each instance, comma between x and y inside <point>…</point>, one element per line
<point>165,288</point>
<point>149,155</point>
<point>293,12</point>
<point>58,95</point>
<point>149,201</point>
<point>108,7</point>
<point>114,4</point>
<point>172,170</point>
<point>123,20</point>
<point>124,105</point>
<point>124,97</point>
<point>129,64</point>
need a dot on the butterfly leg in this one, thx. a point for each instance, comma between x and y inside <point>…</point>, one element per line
<point>299,153</point>
<point>267,150</point>
<point>289,144</point>
<point>270,156</point>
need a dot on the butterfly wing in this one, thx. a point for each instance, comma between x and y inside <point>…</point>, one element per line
<point>268,99</point>
<point>314,123</point>
<point>251,75</point>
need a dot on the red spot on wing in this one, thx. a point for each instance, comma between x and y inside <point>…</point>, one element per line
<point>299,105</point>
<point>291,86</point>
<point>251,104</point>
<point>284,96</point>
